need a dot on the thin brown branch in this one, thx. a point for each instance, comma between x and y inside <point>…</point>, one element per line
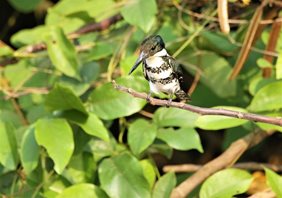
<point>252,166</point>
<point>91,27</point>
<point>248,41</point>
<point>226,159</point>
<point>222,11</point>
<point>271,46</point>
<point>202,110</point>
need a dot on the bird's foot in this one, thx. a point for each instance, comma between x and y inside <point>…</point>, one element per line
<point>169,102</point>
<point>148,98</point>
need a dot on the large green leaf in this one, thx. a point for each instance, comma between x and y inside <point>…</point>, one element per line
<point>268,98</point>
<point>24,5</point>
<point>226,183</point>
<point>133,13</point>
<point>274,181</point>
<point>62,98</point>
<point>141,134</point>
<point>165,117</point>
<point>108,103</point>
<point>83,190</point>
<point>164,186</point>
<point>122,176</point>
<point>8,146</point>
<point>56,136</point>
<point>215,72</point>
<point>216,122</point>
<point>90,123</point>
<point>181,139</point>
<point>62,52</point>
<point>29,151</point>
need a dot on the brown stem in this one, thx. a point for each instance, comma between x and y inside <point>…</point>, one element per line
<point>202,110</point>
<point>253,166</point>
<point>226,159</point>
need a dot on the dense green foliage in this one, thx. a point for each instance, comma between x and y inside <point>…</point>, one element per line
<point>66,132</point>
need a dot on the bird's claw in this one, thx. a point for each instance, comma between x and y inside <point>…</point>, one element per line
<point>169,102</point>
<point>148,98</point>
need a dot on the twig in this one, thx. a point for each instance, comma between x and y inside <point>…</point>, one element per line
<point>226,159</point>
<point>222,11</point>
<point>202,110</point>
<point>252,166</point>
<point>91,27</point>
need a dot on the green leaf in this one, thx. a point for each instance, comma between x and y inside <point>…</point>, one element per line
<point>181,139</point>
<point>216,122</point>
<point>56,136</point>
<point>164,186</point>
<point>258,82</point>
<point>263,63</point>
<point>226,183</point>
<point>268,98</point>
<point>215,72</point>
<point>149,171</point>
<point>165,117</point>
<point>62,52</point>
<point>108,103</point>
<point>122,176</point>
<point>133,13</point>
<point>62,98</point>
<point>18,73</point>
<point>24,5</point>
<point>29,36</point>
<point>278,66</point>
<point>141,134</point>
<point>83,190</point>
<point>29,151</point>
<point>91,124</point>
<point>8,146</point>
<point>99,51</point>
<point>274,181</point>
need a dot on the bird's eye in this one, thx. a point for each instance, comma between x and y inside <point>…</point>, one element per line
<point>153,48</point>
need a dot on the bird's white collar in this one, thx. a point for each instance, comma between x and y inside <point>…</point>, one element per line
<point>163,52</point>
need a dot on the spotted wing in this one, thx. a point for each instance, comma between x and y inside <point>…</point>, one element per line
<point>175,67</point>
<point>144,70</point>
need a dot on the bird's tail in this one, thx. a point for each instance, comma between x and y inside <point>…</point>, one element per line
<point>182,95</point>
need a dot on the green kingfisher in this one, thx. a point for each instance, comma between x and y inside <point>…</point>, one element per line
<point>160,69</point>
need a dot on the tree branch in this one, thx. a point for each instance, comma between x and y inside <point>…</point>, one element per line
<point>202,110</point>
<point>91,27</point>
<point>226,159</point>
<point>253,166</point>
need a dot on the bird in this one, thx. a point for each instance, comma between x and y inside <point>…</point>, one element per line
<point>160,69</point>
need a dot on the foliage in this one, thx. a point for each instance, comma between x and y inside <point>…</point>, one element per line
<point>66,132</point>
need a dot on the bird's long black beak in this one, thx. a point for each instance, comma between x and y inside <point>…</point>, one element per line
<point>138,61</point>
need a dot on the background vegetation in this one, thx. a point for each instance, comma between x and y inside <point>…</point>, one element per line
<point>66,132</point>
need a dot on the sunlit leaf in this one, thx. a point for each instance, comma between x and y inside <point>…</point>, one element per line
<point>56,136</point>
<point>141,135</point>
<point>62,52</point>
<point>164,186</point>
<point>268,98</point>
<point>181,139</point>
<point>226,183</point>
<point>122,176</point>
<point>108,103</point>
<point>165,117</point>
<point>133,13</point>
<point>216,122</point>
<point>83,190</point>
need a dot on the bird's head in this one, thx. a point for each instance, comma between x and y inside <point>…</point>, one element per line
<point>149,47</point>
